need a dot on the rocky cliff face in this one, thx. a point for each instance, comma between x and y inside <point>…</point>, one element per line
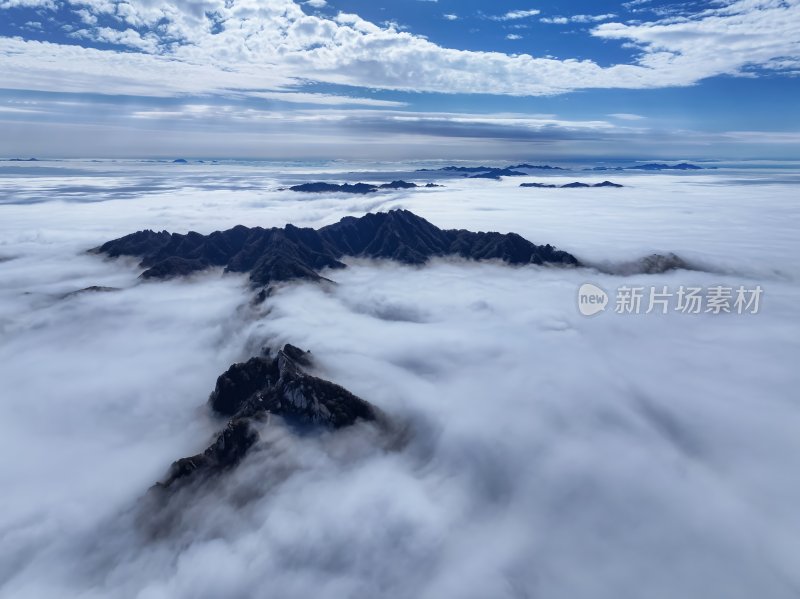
<point>288,253</point>
<point>281,386</point>
<point>252,392</point>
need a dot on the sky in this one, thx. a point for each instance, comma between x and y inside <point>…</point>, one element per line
<point>401,79</point>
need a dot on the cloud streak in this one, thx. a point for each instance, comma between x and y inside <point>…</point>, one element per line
<point>47,127</point>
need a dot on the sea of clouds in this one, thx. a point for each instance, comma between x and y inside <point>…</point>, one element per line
<point>543,454</point>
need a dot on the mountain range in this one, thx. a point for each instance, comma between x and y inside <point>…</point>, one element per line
<point>289,253</point>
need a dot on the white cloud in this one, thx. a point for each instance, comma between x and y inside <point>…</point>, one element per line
<point>517,14</point>
<point>555,20</point>
<point>86,16</point>
<point>593,18</point>
<point>450,17</point>
<point>269,46</point>
<point>128,37</point>
<point>47,4</point>
<point>728,39</point>
<point>513,36</point>
<point>577,19</point>
<point>316,3</point>
<point>626,116</point>
<point>328,99</point>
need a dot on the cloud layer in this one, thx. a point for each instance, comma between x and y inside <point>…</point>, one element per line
<point>215,47</point>
<point>548,454</point>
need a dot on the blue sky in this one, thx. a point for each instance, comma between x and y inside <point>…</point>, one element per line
<point>400,79</point>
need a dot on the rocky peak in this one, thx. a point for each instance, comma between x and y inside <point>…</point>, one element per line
<point>261,387</point>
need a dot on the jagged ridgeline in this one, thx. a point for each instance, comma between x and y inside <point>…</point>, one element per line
<point>288,253</point>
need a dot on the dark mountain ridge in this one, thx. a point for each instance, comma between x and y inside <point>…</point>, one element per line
<point>288,253</point>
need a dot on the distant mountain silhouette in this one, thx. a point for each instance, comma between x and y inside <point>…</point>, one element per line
<point>457,169</point>
<point>538,167</point>
<point>576,184</point>
<point>496,173</point>
<point>487,169</point>
<point>654,166</point>
<point>289,253</point>
<point>607,184</point>
<point>357,188</point>
<point>398,185</point>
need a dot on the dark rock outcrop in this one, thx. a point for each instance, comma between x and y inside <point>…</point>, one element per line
<point>180,161</point>
<point>539,185</point>
<point>575,185</point>
<point>281,387</point>
<point>262,387</point>
<point>276,255</point>
<point>227,450</point>
<point>655,264</point>
<point>649,265</point>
